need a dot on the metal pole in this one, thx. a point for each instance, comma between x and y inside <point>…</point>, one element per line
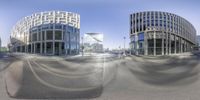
<point>124,45</point>
<point>82,45</point>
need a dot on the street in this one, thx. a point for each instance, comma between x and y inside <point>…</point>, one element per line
<point>104,77</point>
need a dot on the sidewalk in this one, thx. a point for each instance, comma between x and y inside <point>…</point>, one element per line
<point>161,58</point>
<point>61,56</point>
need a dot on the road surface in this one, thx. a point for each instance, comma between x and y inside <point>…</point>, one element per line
<point>107,77</point>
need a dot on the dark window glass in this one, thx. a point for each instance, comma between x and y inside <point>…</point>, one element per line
<point>64,35</point>
<point>39,36</point>
<point>70,28</point>
<point>34,38</point>
<point>43,35</point>
<point>144,26</point>
<point>51,26</point>
<point>160,21</point>
<point>58,35</point>
<point>49,35</point>
<point>58,26</point>
<point>141,36</point>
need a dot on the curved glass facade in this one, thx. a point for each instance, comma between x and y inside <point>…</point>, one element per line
<point>160,33</point>
<point>50,33</point>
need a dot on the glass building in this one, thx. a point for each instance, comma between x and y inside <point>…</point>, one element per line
<point>160,33</point>
<point>48,33</point>
<point>93,42</point>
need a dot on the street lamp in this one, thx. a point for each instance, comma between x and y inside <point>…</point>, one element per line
<point>124,45</point>
<point>82,47</point>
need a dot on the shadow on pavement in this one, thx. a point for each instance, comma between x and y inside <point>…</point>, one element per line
<point>174,71</point>
<point>91,59</point>
<point>22,84</point>
<point>7,61</point>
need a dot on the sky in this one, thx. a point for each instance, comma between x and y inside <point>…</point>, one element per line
<point>110,17</point>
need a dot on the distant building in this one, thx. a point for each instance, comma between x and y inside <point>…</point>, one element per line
<point>49,33</point>
<point>97,47</point>
<point>93,42</point>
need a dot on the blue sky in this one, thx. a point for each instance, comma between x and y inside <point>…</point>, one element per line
<point>110,17</point>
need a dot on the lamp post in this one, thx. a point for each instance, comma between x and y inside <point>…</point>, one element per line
<point>124,45</point>
<point>82,47</point>
<point>119,52</point>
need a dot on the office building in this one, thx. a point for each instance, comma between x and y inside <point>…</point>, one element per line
<point>198,40</point>
<point>48,33</point>
<point>160,33</point>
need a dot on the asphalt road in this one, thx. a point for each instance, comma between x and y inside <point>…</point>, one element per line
<point>33,76</point>
<point>156,78</point>
<point>103,77</point>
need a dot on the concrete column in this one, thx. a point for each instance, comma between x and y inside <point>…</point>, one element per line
<point>45,43</point>
<point>53,41</point>
<point>154,44</point>
<point>62,35</point>
<point>185,46</point>
<point>45,48</point>
<point>41,43</point>
<point>41,47</point>
<point>162,43</point>
<point>170,43</point>
<point>69,43</point>
<point>145,44</point>
<point>136,44</point>
<point>175,44</point>
<point>31,42</point>
<point>166,48</point>
<point>53,47</point>
<point>181,46</point>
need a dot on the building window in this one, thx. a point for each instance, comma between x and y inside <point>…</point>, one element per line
<point>34,38</point>
<point>49,35</point>
<point>70,28</point>
<point>141,36</point>
<point>58,35</point>
<point>43,35</point>
<point>39,36</point>
<point>51,26</point>
<point>58,27</point>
